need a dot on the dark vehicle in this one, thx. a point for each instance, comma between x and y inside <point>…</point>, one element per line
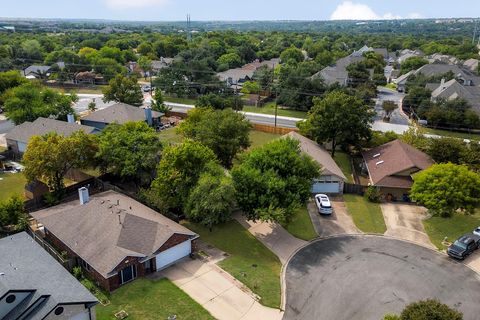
<point>464,246</point>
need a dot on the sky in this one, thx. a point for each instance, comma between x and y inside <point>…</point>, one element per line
<point>174,10</point>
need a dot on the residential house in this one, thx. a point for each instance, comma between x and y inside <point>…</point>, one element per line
<point>442,58</point>
<point>464,76</point>
<point>452,90</point>
<point>113,237</point>
<point>34,286</point>
<point>401,81</point>
<point>36,72</point>
<point>332,178</point>
<point>235,78</point>
<point>18,138</point>
<point>407,53</point>
<point>390,168</point>
<point>121,113</point>
<point>89,77</point>
<point>471,64</point>
<point>163,63</point>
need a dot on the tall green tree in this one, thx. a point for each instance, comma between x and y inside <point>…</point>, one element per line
<point>158,103</point>
<point>178,172</point>
<point>211,201</point>
<point>30,101</point>
<point>131,150</point>
<point>50,157</point>
<point>272,181</point>
<point>12,213</point>
<point>10,79</point>
<point>292,54</point>
<point>225,132</point>
<point>445,188</point>
<point>412,63</point>
<point>339,119</point>
<point>125,90</point>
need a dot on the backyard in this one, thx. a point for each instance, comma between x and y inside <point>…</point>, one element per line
<point>269,108</point>
<point>438,228</point>
<point>11,184</point>
<point>249,260</point>
<point>366,215</point>
<point>343,161</point>
<point>147,299</point>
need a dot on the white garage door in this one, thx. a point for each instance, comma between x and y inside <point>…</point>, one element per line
<point>332,187</point>
<point>171,255</point>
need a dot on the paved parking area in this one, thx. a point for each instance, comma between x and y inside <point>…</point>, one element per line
<point>365,277</point>
<point>218,292</point>
<point>340,222</point>
<point>404,221</point>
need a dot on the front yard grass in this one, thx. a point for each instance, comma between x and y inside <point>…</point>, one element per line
<point>343,161</point>
<point>259,138</point>
<point>11,184</point>
<point>301,225</point>
<point>180,100</point>
<point>438,228</point>
<point>366,215</point>
<point>146,299</point>
<point>249,260</point>
<point>269,108</point>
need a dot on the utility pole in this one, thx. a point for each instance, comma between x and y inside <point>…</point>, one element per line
<point>276,97</point>
<point>189,34</point>
<point>475,32</point>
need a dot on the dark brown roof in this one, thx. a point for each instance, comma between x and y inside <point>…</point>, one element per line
<point>385,162</point>
<point>109,228</point>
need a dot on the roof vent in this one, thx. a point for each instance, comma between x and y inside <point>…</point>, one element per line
<point>376,156</point>
<point>380,162</point>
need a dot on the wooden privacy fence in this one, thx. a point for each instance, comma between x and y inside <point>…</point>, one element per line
<point>65,262</point>
<point>272,129</point>
<point>349,188</point>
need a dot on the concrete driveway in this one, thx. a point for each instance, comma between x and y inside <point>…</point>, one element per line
<point>365,277</point>
<point>340,222</point>
<point>404,221</point>
<point>218,292</point>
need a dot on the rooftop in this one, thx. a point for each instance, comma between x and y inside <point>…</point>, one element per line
<point>120,113</point>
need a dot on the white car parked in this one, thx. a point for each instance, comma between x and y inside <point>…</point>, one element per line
<point>323,204</point>
<point>477,231</point>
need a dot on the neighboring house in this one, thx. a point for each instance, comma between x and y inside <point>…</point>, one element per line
<point>114,238</point>
<point>18,138</point>
<point>471,64</point>
<point>332,178</point>
<point>407,53</point>
<point>36,72</point>
<point>235,78</point>
<point>163,63</point>
<point>391,166</point>
<point>34,286</point>
<point>464,76</point>
<point>452,90</point>
<point>442,58</point>
<point>88,77</point>
<point>121,113</point>
<point>401,81</point>
<point>338,73</point>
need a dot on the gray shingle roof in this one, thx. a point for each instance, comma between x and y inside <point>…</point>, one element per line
<point>35,70</point>
<point>319,154</point>
<point>120,113</point>
<point>42,126</point>
<point>435,69</point>
<point>25,265</point>
<point>109,228</point>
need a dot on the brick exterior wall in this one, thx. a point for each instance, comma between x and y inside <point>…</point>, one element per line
<point>112,283</point>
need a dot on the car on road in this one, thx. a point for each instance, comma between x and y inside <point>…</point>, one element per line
<point>464,246</point>
<point>147,88</point>
<point>477,231</point>
<point>323,204</point>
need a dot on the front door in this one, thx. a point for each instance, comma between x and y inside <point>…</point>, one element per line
<point>128,274</point>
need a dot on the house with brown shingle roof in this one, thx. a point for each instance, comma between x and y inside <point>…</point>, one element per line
<point>114,238</point>
<point>332,179</point>
<point>391,166</point>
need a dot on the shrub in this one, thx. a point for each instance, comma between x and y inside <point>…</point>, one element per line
<point>77,272</point>
<point>373,194</point>
<point>430,309</point>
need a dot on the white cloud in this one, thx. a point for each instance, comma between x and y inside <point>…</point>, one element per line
<point>349,10</point>
<point>127,4</point>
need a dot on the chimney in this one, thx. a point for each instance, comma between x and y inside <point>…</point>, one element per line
<point>442,83</point>
<point>70,118</point>
<point>148,116</point>
<point>83,195</point>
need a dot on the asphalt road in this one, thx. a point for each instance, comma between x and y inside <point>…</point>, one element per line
<point>365,277</point>
<point>397,116</point>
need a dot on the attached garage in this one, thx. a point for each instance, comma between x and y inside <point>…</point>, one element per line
<point>327,184</point>
<point>167,257</point>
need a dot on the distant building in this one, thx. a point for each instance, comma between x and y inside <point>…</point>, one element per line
<point>33,285</point>
<point>407,53</point>
<point>19,136</point>
<point>471,64</point>
<point>235,78</point>
<point>452,90</point>
<point>158,65</point>
<point>36,72</point>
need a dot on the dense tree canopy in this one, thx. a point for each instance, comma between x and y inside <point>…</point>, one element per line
<point>272,181</point>
<point>125,90</point>
<point>225,132</point>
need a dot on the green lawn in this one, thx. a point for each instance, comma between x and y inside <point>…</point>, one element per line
<point>438,228</point>
<point>11,184</point>
<point>301,225</point>
<point>269,108</point>
<point>343,161</point>
<point>146,299</point>
<point>170,136</point>
<point>259,138</point>
<point>367,216</point>
<point>179,100</point>
<point>453,134</point>
<point>250,261</point>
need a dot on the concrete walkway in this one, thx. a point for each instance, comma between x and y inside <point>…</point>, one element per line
<point>217,291</point>
<point>404,221</point>
<point>273,236</point>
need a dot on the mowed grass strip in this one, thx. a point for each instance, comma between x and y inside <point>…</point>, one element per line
<point>366,215</point>
<point>147,299</point>
<point>301,225</point>
<point>249,260</point>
